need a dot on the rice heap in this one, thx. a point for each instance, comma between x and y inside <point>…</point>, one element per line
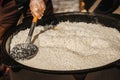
<point>72,46</point>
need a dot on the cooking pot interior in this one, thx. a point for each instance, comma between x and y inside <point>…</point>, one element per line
<point>54,19</point>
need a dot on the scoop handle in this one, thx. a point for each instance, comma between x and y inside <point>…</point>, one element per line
<point>34,19</point>
<point>34,22</point>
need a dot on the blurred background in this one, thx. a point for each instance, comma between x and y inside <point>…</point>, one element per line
<point>99,6</point>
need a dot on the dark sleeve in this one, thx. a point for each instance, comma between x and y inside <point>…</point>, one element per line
<point>21,1</point>
<point>104,7</point>
<point>89,3</point>
<point>49,7</point>
<point>107,6</point>
<point>24,4</point>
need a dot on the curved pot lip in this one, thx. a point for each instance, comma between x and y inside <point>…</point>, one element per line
<point>7,60</point>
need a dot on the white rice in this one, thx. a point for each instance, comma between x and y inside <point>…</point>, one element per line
<point>72,46</point>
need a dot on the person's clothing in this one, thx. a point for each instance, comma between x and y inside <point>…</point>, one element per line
<point>104,6</point>
<point>1,2</point>
<point>10,12</point>
<point>9,15</point>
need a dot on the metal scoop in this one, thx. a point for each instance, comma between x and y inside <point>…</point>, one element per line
<point>27,50</point>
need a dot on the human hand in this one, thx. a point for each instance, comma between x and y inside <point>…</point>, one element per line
<point>37,8</point>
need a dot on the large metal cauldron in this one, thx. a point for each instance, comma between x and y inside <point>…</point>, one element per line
<point>54,19</point>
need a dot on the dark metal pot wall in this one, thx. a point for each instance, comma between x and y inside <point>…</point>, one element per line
<point>54,19</point>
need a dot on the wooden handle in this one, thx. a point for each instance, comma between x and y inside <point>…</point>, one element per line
<point>35,19</point>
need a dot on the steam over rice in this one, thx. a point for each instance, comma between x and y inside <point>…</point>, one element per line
<point>72,46</point>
